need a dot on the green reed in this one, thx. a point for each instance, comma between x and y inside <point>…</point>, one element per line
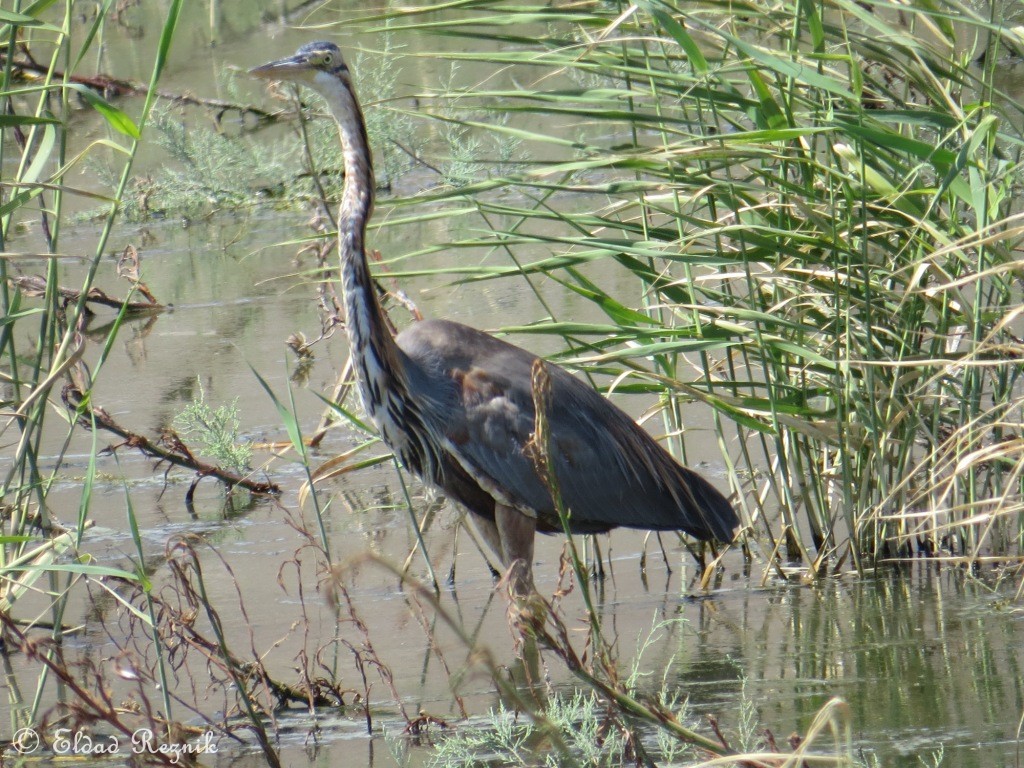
<point>35,125</point>
<point>816,203</point>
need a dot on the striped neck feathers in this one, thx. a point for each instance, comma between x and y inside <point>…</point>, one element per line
<point>378,361</point>
<point>357,195</point>
<point>380,365</point>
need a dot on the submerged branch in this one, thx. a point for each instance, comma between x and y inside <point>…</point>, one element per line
<point>35,286</point>
<point>177,454</point>
<point>116,86</point>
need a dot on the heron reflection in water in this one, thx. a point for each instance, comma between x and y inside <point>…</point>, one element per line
<point>456,404</point>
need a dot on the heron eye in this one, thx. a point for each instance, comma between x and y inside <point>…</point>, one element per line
<point>326,59</point>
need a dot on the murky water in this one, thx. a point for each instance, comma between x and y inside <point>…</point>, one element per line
<point>928,660</point>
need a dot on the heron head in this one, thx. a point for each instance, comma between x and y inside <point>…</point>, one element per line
<point>303,67</point>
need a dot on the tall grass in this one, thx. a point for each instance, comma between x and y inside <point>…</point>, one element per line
<point>816,202</point>
<point>35,122</point>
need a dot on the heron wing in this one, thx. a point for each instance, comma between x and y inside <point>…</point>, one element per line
<point>610,471</point>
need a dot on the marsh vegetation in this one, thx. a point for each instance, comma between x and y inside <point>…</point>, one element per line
<point>786,237</point>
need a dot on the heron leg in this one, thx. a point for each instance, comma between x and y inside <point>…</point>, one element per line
<point>516,532</point>
<point>489,533</point>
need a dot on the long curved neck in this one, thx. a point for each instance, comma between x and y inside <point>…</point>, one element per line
<point>382,369</point>
<point>374,351</point>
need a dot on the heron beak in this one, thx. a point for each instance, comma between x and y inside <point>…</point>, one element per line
<point>293,68</point>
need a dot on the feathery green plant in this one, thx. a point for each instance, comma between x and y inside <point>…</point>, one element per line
<point>507,737</point>
<point>594,737</point>
<point>213,171</point>
<point>216,431</point>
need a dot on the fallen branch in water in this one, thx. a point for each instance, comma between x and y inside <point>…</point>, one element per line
<point>127,268</point>
<point>35,286</point>
<point>169,448</point>
<point>114,86</point>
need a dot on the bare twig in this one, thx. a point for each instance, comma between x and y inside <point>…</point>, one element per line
<point>35,286</point>
<point>114,86</point>
<point>179,626</point>
<point>94,705</point>
<point>178,454</point>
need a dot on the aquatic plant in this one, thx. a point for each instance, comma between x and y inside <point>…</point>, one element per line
<point>215,430</point>
<point>510,738</point>
<point>212,170</point>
